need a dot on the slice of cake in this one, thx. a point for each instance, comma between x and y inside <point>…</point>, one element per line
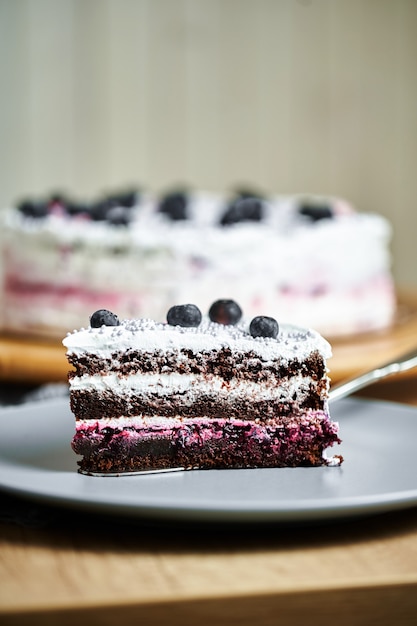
<point>198,392</point>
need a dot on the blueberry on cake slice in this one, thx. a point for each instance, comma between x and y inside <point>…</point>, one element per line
<point>199,392</point>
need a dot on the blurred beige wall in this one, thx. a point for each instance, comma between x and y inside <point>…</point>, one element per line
<point>288,95</point>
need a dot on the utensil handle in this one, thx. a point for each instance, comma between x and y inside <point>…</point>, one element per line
<point>401,364</point>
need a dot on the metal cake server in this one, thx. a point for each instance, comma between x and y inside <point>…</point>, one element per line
<point>399,364</point>
<point>166,470</point>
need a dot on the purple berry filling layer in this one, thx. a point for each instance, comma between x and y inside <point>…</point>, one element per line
<point>204,443</point>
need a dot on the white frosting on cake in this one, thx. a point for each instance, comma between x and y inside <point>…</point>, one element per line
<point>334,248</point>
<point>146,335</point>
<point>192,386</point>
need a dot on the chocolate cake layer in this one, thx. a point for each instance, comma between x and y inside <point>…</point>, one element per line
<point>95,405</point>
<point>223,363</point>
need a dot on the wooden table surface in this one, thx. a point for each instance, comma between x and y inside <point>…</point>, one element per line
<point>61,567</point>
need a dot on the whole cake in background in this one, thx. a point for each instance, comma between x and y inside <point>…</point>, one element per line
<point>200,391</point>
<point>305,260</point>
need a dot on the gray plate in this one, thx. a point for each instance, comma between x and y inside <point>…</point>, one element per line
<point>378,474</point>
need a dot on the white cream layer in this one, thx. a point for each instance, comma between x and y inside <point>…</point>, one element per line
<point>193,386</point>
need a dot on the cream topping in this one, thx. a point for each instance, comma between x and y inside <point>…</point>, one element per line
<point>192,386</point>
<point>149,336</point>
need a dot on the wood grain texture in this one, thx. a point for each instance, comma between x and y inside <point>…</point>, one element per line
<point>92,567</point>
<point>383,606</point>
<point>32,361</point>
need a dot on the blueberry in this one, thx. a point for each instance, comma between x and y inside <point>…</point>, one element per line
<point>174,205</point>
<point>100,209</point>
<point>76,208</point>
<point>119,216</point>
<point>263,326</point>
<point>32,208</point>
<point>186,315</point>
<point>243,210</point>
<point>103,317</point>
<point>127,199</point>
<point>316,212</point>
<point>226,312</point>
